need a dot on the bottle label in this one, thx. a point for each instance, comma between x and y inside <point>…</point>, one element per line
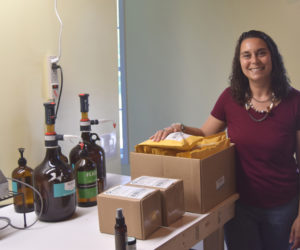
<point>150,181</point>
<point>87,183</point>
<point>14,186</point>
<point>63,189</point>
<point>129,192</point>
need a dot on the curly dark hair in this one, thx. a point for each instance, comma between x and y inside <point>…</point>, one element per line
<point>239,83</point>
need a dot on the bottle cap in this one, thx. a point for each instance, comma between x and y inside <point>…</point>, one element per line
<point>22,161</point>
<point>131,241</point>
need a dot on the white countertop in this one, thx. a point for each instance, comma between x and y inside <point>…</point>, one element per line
<point>82,230</point>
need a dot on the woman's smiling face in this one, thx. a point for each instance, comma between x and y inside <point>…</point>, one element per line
<point>255,60</point>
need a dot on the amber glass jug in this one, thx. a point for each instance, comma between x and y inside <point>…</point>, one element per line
<point>54,178</point>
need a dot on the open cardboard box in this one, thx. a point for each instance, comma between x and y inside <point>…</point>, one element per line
<point>207,182</point>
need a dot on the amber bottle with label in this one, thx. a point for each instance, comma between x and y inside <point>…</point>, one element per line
<point>53,178</point>
<point>86,179</point>
<point>23,195</point>
<point>95,152</point>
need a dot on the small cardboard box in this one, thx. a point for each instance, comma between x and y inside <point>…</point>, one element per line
<point>172,197</point>
<point>207,182</point>
<point>141,209</point>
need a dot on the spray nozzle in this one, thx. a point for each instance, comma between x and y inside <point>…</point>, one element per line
<point>119,213</point>
<point>120,217</point>
<point>22,161</point>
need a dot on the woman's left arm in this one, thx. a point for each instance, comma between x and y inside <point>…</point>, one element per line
<point>295,230</point>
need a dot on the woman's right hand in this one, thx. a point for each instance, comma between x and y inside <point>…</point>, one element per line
<point>163,133</point>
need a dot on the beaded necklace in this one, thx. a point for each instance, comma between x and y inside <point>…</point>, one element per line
<point>266,113</point>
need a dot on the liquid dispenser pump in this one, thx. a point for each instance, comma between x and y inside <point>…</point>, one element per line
<point>54,178</point>
<point>95,152</point>
<point>23,195</point>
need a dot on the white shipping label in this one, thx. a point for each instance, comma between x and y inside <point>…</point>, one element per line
<point>220,182</point>
<point>129,192</point>
<point>150,181</point>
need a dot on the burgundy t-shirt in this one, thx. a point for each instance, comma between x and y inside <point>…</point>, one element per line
<point>267,174</point>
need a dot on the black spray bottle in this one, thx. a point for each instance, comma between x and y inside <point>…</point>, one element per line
<point>120,231</point>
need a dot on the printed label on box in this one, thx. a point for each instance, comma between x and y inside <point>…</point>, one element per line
<point>150,181</point>
<point>220,182</point>
<point>129,192</point>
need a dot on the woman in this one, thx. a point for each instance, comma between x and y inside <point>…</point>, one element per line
<point>261,112</point>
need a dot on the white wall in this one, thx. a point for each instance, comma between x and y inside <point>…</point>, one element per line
<point>179,55</point>
<point>178,60</point>
<point>280,19</point>
<point>29,32</point>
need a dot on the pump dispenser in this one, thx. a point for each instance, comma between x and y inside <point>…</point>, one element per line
<point>23,195</point>
<point>53,178</point>
<point>95,152</point>
<point>86,179</point>
<point>120,231</point>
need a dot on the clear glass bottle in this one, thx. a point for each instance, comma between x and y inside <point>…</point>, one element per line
<point>86,179</point>
<point>95,152</point>
<point>23,195</point>
<point>53,178</point>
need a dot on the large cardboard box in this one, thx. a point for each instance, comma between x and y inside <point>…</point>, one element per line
<point>207,182</point>
<point>141,209</point>
<point>172,197</point>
